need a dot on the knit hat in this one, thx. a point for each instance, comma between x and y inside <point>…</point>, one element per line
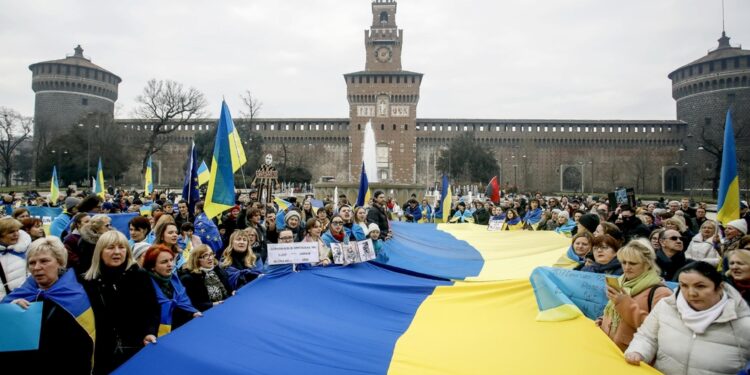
<point>739,224</point>
<point>290,215</point>
<point>372,227</point>
<point>139,249</point>
<point>589,221</point>
<point>71,202</point>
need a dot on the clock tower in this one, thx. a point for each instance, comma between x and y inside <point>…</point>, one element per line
<point>387,96</point>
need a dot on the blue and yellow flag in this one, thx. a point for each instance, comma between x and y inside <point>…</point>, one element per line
<point>729,182</point>
<point>54,188</point>
<point>283,205</point>
<point>190,192</point>
<point>220,195</point>
<point>363,197</point>
<point>203,173</point>
<point>446,202</point>
<point>99,180</point>
<point>149,185</point>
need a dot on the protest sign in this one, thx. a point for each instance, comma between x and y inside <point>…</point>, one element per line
<point>21,327</point>
<point>353,252</point>
<point>495,225</point>
<point>293,253</point>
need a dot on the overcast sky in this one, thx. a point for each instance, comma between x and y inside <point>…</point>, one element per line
<point>541,59</point>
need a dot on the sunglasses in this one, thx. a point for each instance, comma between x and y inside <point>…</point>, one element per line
<point>337,222</point>
<point>674,238</point>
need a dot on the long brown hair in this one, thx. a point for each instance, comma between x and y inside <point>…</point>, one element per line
<point>250,258</point>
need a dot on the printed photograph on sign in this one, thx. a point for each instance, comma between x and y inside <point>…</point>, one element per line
<point>366,250</point>
<point>337,251</point>
<point>351,254</point>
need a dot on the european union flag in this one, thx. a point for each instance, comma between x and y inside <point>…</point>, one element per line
<point>190,191</point>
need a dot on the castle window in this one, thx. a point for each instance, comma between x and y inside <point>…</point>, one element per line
<point>586,129</point>
<point>359,126</point>
<point>412,79</point>
<point>554,129</point>
<point>367,79</point>
<point>653,130</point>
<point>406,126</point>
<point>546,128</point>
<point>449,128</point>
<point>481,128</point>
<point>383,17</point>
<point>711,66</point>
<point>594,129</point>
<point>394,126</point>
<point>84,101</point>
<point>700,69</point>
<point>736,62</point>
<point>723,64</point>
<point>619,129</point>
<point>636,129</point>
<point>513,128</point>
<point>433,127</point>
<point>273,127</point>
<point>398,79</point>
<point>382,126</point>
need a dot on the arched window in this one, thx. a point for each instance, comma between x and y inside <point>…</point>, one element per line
<point>383,17</point>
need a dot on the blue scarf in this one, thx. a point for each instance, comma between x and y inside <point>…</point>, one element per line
<point>12,252</point>
<point>234,273</point>
<point>574,257</point>
<point>513,221</point>
<point>179,299</point>
<point>67,293</point>
<point>533,217</point>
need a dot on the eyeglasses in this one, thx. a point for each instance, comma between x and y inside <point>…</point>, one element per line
<point>206,256</point>
<point>674,238</point>
<point>337,222</point>
<point>286,238</point>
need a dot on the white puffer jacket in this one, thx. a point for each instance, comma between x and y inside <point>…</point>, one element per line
<point>14,264</point>
<point>723,349</point>
<point>702,250</point>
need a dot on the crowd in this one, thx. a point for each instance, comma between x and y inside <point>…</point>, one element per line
<point>178,263</point>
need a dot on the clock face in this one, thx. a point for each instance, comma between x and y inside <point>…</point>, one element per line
<point>383,54</point>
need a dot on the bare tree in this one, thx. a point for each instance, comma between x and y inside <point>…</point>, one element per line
<point>167,105</point>
<point>639,166</point>
<point>252,104</point>
<point>711,140</point>
<point>14,130</point>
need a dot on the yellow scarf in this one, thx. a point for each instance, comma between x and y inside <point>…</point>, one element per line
<point>632,288</point>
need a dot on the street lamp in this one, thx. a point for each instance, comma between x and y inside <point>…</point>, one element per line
<point>88,153</point>
<point>515,175</point>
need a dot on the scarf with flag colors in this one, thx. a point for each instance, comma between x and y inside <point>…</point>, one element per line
<point>179,300</point>
<point>67,293</point>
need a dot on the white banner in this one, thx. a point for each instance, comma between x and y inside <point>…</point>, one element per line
<point>293,253</point>
<point>495,225</point>
<point>353,252</point>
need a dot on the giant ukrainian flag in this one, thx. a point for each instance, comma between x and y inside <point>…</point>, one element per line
<point>440,299</point>
<point>729,182</point>
<point>220,194</point>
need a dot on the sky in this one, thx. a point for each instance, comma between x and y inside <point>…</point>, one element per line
<point>531,59</point>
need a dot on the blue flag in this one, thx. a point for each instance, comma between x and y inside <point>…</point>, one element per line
<point>363,197</point>
<point>190,191</point>
<point>220,194</point>
<point>728,208</point>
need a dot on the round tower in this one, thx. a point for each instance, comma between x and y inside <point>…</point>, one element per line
<point>704,90</point>
<point>67,92</point>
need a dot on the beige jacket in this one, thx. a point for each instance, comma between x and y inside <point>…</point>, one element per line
<point>723,349</point>
<point>633,311</point>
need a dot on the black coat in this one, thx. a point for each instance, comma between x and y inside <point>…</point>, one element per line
<point>670,266</point>
<point>195,286</point>
<point>377,215</point>
<point>125,310</point>
<point>64,346</point>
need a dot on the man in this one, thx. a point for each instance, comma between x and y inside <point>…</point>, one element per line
<point>462,215</point>
<point>685,207</point>
<point>700,216</point>
<point>377,214</point>
<point>169,208</point>
<point>206,230</point>
<point>745,212</point>
<point>355,231</point>
<point>413,212</point>
<point>481,215</point>
<point>674,206</point>
<point>631,227</point>
<point>671,257</point>
<point>272,235</point>
<point>183,216</point>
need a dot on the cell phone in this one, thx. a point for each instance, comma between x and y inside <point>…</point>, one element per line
<point>612,281</point>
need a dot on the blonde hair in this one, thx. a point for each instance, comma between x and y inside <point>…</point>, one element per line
<point>106,240</point>
<point>193,262</point>
<point>98,222</point>
<point>639,250</point>
<point>51,245</point>
<point>677,221</point>
<point>227,254</point>
<point>744,256</point>
<point>711,223</point>
<point>8,225</point>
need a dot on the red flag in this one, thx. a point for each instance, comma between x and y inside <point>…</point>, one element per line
<point>493,190</point>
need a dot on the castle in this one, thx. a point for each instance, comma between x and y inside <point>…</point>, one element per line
<point>548,155</point>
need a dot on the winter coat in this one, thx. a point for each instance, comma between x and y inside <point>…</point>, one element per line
<point>84,251</point>
<point>633,311</point>
<point>670,266</point>
<point>703,250</point>
<point>195,286</point>
<point>481,216</point>
<point>376,214</point>
<point>723,349</point>
<point>125,311</point>
<point>612,268</point>
<point>13,262</point>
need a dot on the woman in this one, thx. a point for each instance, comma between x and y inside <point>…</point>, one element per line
<point>33,227</point>
<point>205,282</point>
<point>71,240</point>
<point>565,224</point>
<point>512,221</point>
<point>174,305</point>
<point>187,241</point>
<point>733,233</point>
<point>139,228</point>
<point>738,275</point>
<point>241,265</point>
<point>21,213</point>
<point>704,328</point>
<point>705,245</point>
<point>606,227</point>
<point>314,230</point>
<point>533,215</point>
<point>337,232</point>
<point>79,257</point>
<point>604,248</point>
<point>653,238</point>
<point>12,256</point>
<point>307,211</point>
<point>168,236</point>
<point>322,216</point>
<point>67,327</point>
<point>640,290</point>
<point>575,257</point>
<point>123,302</point>
<point>360,218</point>
<point>259,248</point>
<point>292,222</point>
<point>426,212</point>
